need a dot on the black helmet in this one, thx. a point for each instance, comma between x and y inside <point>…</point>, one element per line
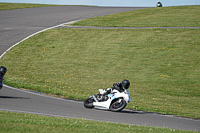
<point>125,84</point>
<point>3,70</point>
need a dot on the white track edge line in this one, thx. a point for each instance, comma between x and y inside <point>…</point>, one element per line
<point>35,34</point>
<point>35,113</point>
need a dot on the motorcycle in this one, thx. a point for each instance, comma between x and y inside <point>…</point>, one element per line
<point>115,101</point>
<point>159,4</point>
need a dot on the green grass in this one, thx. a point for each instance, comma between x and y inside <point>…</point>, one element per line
<point>11,6</point>
<point>181,16</point>
<point>161,64</point>
<point>18,123</point>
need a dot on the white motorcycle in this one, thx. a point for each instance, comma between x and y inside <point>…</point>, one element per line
<point>115,101</point>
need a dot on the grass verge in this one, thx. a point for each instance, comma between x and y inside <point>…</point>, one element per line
<point>162,65</point>
<point>10,6</point>
<point>180,16</point>
<point>18,123</point>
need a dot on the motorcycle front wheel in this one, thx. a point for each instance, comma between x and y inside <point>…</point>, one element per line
<point>88,103</point>
<point>118,105</point>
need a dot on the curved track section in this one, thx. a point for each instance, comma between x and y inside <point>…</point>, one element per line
<point>15,25</point>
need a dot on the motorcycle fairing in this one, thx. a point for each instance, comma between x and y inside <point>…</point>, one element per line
<point>105,105</point>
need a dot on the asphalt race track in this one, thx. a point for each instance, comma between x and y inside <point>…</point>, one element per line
<point>15,25</point>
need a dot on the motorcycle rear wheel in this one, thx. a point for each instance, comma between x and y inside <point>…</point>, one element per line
<point>88,103</point>
<point>118,106</point>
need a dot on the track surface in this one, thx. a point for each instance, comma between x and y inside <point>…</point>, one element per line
<point>16,25</point>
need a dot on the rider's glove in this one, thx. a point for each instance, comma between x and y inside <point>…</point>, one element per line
<point>108,90</point>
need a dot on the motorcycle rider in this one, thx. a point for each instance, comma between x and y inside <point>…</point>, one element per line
<point>159,4</point>
<point>3,71</point>
<point>117,86</point>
